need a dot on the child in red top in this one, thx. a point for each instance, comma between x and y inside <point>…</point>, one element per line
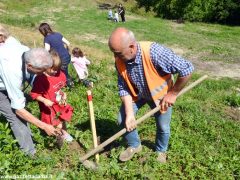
<point>47,90</point>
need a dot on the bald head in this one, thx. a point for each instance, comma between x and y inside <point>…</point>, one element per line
<point>122,41</point>
<point>120,38</point>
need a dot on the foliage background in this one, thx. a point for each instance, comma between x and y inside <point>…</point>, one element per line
<point>218,11</point>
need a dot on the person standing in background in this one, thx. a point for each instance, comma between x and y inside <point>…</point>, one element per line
<point>56,41</point>
<point>110,14</point>
<point>80,63</point>
<point>121,12</point>
<point>116,19</point>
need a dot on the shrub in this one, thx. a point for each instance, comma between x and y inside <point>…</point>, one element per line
<point>221,11</point>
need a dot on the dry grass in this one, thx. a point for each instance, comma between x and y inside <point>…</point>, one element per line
<point>2,8</point>
<point>32,38</point>
<point>93,54</point>
<point>179,51</point>
<point>89,37</point>
<point>29,37</point>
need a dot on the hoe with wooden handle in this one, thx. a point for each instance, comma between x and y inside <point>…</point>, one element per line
<point>84,158</point>
<point>92,122</point>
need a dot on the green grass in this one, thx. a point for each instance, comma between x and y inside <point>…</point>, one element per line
<point>209,42</point>
<point>204,142</point>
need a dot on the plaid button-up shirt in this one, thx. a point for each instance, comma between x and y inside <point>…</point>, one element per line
<point>164,61</point>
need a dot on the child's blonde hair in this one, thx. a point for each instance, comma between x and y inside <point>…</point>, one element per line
<point>56,60</point>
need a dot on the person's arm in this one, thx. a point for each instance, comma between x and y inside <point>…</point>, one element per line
<point>38,89</point>
<point>179,84</point>
<point>12,82</point>
<point>64,99</point>
<point>130,121</point>
<point>170,63</point>
<point>24,114</point>
<point>47,46</point>
<point>120,12</point>
<point>66,41</point>
<point>45,101</point>
<point>86,61</point>
<point>170,98</point>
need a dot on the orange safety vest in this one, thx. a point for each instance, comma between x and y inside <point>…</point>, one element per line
<point>158,85</point>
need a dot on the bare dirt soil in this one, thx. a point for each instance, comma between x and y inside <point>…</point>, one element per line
<point>234,113</point>
<point>215,69</point>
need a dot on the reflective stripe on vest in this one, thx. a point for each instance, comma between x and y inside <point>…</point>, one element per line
<point>158,89</point>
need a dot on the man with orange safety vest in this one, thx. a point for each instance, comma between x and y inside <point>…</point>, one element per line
<point>145,72</point>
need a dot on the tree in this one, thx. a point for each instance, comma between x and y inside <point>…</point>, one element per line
<point>221,11</point>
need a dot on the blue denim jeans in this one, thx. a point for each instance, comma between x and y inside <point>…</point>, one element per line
<point>64,68</point>
<point>162,123</point>
<point>19,127</point>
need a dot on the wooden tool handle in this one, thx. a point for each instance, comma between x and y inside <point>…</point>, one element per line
<point>92,122</point>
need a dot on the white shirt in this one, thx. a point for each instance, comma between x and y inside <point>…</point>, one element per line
<point>116,16</point>
<point>11,71</point>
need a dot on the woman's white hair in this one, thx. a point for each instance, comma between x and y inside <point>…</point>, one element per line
<point>38,58</point>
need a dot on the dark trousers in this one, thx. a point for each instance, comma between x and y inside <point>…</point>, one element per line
<point>122,17</point>
<point>64,68</point>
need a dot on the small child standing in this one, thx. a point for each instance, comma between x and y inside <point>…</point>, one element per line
<point>116,19</point>
<point>110,14</point>
<point>80,63</point>
<point>47,90</point>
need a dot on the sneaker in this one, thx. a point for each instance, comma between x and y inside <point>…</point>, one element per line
<point>162,157</point>
<point>67,137</point>
<point>90,85</point>
<point>70,83</point>
<point>129,152</point>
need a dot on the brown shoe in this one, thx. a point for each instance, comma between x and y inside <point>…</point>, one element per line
<point>129,152</point>
<point>162,157</point>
